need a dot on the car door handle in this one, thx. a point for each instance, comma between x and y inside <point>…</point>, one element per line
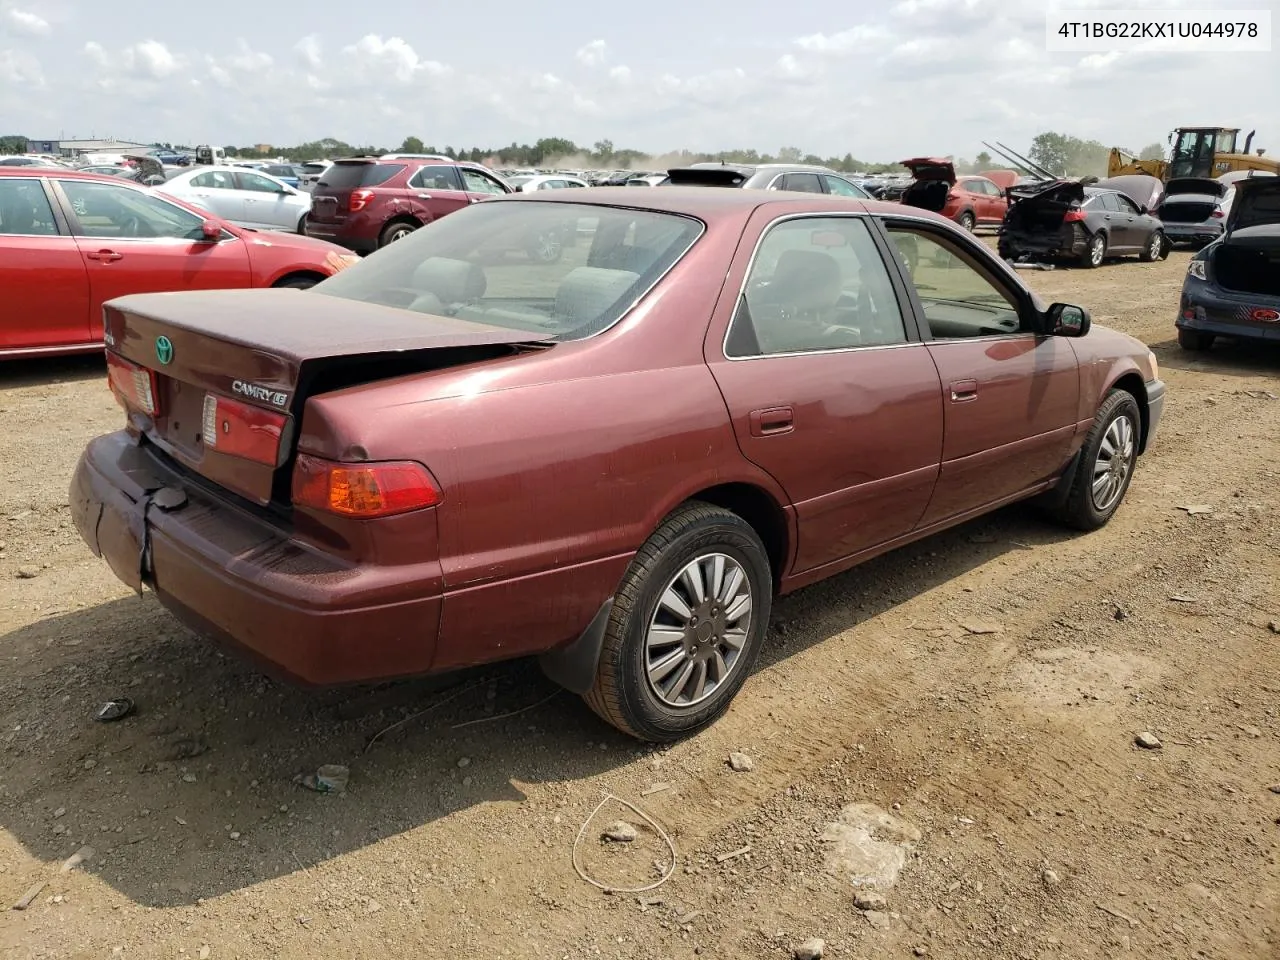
<point>106,256</point>
<point>772,421</point>
<point>424,196</point>
<point>964,390</point>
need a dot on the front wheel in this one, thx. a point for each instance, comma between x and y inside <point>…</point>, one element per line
<point>1155,248</point>
<point>302,225</point>
<point>686,626</point>
<point>1106,463</point>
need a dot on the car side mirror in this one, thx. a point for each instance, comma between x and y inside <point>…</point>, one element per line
<point>211,230</point>
<point>1067,320</point>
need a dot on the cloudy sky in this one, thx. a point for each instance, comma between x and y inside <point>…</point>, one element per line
<point>882,80</point>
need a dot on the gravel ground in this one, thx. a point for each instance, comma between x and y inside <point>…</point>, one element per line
<point>984,687</point>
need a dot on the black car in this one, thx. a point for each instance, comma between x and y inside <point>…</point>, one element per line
<point>1060,219</point>
<point>1232,286</point>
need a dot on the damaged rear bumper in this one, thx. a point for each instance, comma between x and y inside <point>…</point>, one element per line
<point>1207,308</point>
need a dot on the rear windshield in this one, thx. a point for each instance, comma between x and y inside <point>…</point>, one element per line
<point>350,176</point>
<point>559,271</point>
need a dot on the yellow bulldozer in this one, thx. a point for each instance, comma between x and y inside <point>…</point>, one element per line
<point>1196,152</point>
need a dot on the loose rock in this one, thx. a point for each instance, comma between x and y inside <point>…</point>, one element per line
<point>1274,626</point>
<point>1274,788</point>
<point>1148,741</point>
<point>921,951</point>
<point>620,832</point>
<point>813,949</point>
<point>329,778</point>
<point>28,573</point>
<point>981,629</point>
<point>464,762</point>
<point>1050,878</point>
<point>878,919</point>
<point>870,900</point>
<point>741,763</point>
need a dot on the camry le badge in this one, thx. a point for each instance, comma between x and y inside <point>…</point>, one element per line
<point>164,349</point>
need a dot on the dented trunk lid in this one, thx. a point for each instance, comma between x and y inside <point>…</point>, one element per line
<point>270,350</point>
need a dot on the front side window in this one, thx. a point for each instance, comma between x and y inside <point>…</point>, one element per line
<point>556,271</point>
<point>257,183</point>
<point>959,298</point>
<point>107,211</point>
<point>477,182</point>
<point>843,188</point>
<point>214,180</point>
<point>816,283</point>
<point>25,210</point>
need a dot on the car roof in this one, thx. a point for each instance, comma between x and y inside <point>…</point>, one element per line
<point>62,173</point>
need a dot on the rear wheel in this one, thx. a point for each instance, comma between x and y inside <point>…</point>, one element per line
<point>1155,248</point>
<point>686,626</point>
<point>395,231</point>
<point>1095,252</point>
<point>296,283</point>
<point>967,220</point>
<point>1195,339</point>
<point>302,225</point>
<point>1106,463</point>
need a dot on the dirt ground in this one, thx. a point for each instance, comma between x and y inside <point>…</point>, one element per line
<point>1044,832</point>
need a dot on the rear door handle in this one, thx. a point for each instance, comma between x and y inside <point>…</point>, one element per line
<point>772,421</point>
<point>963,390</point>
<point>424,196</point>
<point>106,256</point>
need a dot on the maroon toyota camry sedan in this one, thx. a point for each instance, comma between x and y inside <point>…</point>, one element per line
<point>450,454</point>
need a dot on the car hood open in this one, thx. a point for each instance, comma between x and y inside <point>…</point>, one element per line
<point>1257,203</point>
<point>1198,186</point>
<point>1143,190</point>
<point>931,168</point>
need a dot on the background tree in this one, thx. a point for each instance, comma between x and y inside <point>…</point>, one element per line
<point>13,144</point>
<point>982,161</point>
<point>411,145</point>
<point>1152,151</point>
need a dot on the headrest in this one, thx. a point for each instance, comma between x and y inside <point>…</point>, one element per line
<point>587,292</point>
<point>453,281</point>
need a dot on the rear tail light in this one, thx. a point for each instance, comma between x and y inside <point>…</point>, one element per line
<point>1074,216</point>
<point>1217,214</point>
<point>133,385</point>
<point>359,200</point>
<point>362,491</point>
<point>239,430</point>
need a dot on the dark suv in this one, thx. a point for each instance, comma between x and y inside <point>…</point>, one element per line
<point>367,202</point>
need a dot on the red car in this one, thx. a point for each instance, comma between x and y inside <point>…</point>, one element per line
<point>970,201</point>
<point>441,457</point>
<point>71,241</point>
<point>368,202</point>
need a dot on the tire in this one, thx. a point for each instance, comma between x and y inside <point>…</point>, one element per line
<point>395,231</point>
<point>546,247</point>
<point>1195,340</point>
<point>302,225</point>
<point>296,283</point>
<point>1095,252</point>
<point>692,537</point>
<point>1155,248</point>
<point>967,221</point>
<point>1082,508</point>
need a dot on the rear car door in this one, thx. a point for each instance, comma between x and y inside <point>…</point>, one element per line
<point>265,203</point>
<point>1138,228</point>
<point>1119,229</point>
<point>828,388</point>
<point>1011,395</point>
<point>439,188</point>
<point>216,191</point>
<point>135,241</point>
<point>45,283</point>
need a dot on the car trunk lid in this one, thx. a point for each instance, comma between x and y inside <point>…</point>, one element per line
<point>931,168</point>
<point>231,370</point>
<point>1199,186</point>
<point>1257,203</point>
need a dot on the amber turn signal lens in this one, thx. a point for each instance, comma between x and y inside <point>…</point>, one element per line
<point>362,491</point>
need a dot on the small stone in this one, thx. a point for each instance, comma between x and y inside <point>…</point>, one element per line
<point>28,572</point>
<point>90,763</point>
<point>741,763</point>
<point>813,949</point>
<point>620,832</point>
<point>1274,788</point>
<point>188,778</point>
<point>464,762</point>
<point>1251,731</point>
<point>204,952</point>
<point>921,951</point>
<point>235,834</point>
<point>1274,626</point>
<point>1148,741</point>
<point>878,919</point>
<point>62,811</point>
<point>870,900</point>
<point>373,907</point>
<point>1050,877</point>
<point>981,629</point>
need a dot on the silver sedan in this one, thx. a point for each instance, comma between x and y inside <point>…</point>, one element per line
<point>245,197</point>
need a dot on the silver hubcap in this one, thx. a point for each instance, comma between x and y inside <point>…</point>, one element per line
<point>400,234</point>
<point>547,247</point>
<point>698,632</point>
<point>1095,251</point>
<point>967,222</point>
<point>1155,246</point>
<point>1115,459</point>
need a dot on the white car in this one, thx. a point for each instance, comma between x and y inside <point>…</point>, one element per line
<point>525,183</point>
<point>245,197</point>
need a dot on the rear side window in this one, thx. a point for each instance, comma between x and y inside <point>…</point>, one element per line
<point>352,176</point>
<point>436,177</point>
<point>800,182</point>
<point>25,210</point>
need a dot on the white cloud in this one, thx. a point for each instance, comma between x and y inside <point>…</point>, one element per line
<point>592,54</point>
<point>621,73</point>
<point>310,51</point>
<point>20,68</point>
<point>855,38</point>
<point>249,60</point>
<point>23,21</point>
<point>393,54</point>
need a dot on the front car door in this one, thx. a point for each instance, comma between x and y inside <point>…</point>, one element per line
<point>267,203</point>
<point>45,284</point>
<point>828,388</point>
<point>1011,395</point>
<point>135,241</point>
<point>216,191</point>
